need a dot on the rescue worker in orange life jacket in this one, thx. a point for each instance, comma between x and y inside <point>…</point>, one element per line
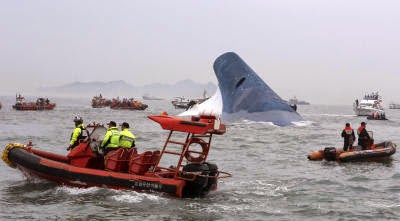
<point>363,136</point>
<point>349,137</point>
<point>111,138</point>
<point>77,133</point>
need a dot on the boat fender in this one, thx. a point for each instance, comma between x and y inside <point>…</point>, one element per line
<point>9,147</point>
<point>330,153</point>
<point>212,180</point>
<point>201,156</point>
<point>198,173</point>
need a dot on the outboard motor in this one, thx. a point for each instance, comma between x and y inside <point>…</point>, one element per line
<point>330,153</point>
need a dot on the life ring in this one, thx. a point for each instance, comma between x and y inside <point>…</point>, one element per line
<point>201,156</point>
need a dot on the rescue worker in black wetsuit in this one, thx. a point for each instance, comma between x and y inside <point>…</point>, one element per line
<point>77,134</point>
<point>363,136</point>
<point>349,137</point>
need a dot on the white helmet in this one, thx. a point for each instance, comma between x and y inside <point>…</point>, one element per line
<point>78,119</point>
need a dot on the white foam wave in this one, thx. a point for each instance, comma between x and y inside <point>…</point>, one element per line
<point>76,190</point>
<point>136,197</point>
<point>295,123</point>
<point>212,106</point>
<point>336,115</point>
<point>302,123</point>
<point>258,122</point>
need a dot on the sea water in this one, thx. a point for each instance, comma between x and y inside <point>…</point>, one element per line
<point>271,176</point>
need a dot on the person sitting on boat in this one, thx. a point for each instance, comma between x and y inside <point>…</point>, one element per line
<point>126,139</point>
<point>111,138</point>
<point>363,136</point>
<point>349,137</point>
<point>190,104</point>
<point>77,134</point>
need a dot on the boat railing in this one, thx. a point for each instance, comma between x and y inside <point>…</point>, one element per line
<point>194,175</point>
<point>192,156</point>
<point>371,134</point>
<point>184,151</point>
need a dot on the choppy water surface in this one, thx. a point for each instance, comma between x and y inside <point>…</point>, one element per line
<point>272,179</point>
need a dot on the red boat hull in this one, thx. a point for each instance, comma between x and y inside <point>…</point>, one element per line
<point>66,174</point>
<point>33,106</point>
<point>141,107</point>
<point>124,168</point>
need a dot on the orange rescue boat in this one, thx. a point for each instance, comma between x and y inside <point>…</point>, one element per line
<point>40,104</point>
<point>85,166</point>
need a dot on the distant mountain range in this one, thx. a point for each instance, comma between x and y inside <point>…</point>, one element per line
<point>185,88</point>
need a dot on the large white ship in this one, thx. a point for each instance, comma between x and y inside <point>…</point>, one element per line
<point>370,104</point>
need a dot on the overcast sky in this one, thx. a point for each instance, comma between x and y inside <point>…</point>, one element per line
<point>322,51</point>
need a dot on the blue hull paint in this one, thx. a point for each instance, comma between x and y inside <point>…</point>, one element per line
<point>246,96</point>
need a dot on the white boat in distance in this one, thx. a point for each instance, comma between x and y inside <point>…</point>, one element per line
<point>394,106</point>
<point>186,103</point>
<point>296,101</point>
<point>370,104</point>
<point>149,97</point>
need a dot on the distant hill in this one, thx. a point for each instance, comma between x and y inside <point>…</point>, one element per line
<point>185,88</point>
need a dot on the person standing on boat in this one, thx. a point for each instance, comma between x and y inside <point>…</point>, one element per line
<point>126,139</point>
<point>349,137</point>
<point>77,133</point>
<point>111,138</point>
<point>363,136</point>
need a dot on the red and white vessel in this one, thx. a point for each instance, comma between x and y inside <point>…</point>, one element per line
<point>370,104</point>
<point>180,168</point>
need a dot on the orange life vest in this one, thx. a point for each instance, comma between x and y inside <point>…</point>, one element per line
<point>348,130</point>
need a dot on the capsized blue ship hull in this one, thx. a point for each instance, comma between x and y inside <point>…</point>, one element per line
<point>246,96</point>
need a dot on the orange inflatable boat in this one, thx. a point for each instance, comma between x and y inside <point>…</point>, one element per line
<point>375,152</point>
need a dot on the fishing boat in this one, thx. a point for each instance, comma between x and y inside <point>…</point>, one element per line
<point>367,106</point>
<point>127,104</point>
<point>180,168</point>
<point>100,102</point>
<point>40,104</point>
<point>181,102</point>
<point>374,152</point>
<point>186,103</point>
